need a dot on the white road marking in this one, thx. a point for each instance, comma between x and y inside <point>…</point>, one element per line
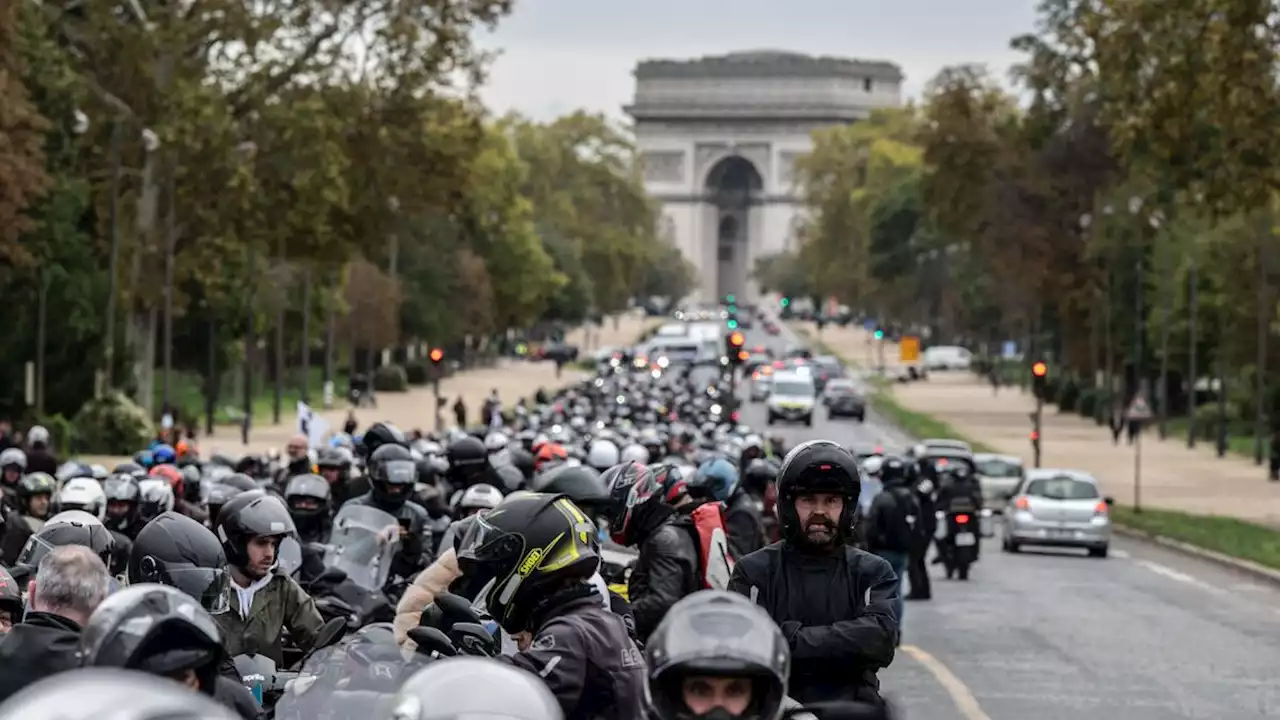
<point>964,700</point>
<point>1123,555</point>
<point>1181,577</point>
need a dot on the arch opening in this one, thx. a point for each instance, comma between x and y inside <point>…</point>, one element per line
<point>733,187</point>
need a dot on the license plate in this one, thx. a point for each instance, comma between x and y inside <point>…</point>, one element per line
<point>1059,533</point>
<point>966,540</point>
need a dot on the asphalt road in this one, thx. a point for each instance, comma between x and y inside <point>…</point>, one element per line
<point>1146,634</point>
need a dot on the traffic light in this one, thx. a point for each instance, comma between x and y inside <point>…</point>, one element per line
<point>735,342</point>
<point>732,323</point>
<point>436,356</point>
<point>1039,378</point>
<point>786,301</point>
<point>730,299</point>
<point>879,334</point>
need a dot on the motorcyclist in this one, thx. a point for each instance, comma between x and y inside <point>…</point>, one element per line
<point>668,566</point>
<point>13,465</point>
<point>958,491</point>
<point>163,631</point>
<point>85,694</point>
<point>71,527</point>
<point>893,522</point>
<point>310,505</point>
<point>299,461</point>
<point>464,687</point>
<point>82,494</point>
<point>35,499</point>
<point>757,481</point>
<point>477,498</point>
<point>540,552</point>
<point>10,602</point>
<point>718,480</point>
<point>334,465</point>
<point>838,639</point>
<point>392,474</point>
<point>177,551</point>
<point>40,459</point>
<point>70,583</point>
<point>263,603</point>
<point>717,655</point>
<point>468,462</point>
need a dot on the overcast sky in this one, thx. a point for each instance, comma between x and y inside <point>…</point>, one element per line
<point>559,55</point>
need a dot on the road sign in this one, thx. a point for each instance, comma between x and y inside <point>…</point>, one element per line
<point>1138,409</point>
<point>1010,350</point>
<point>909,349</point>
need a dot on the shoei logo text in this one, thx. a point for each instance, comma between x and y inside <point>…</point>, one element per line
<point>530,562</point>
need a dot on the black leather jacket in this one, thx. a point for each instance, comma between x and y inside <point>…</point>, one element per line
<point>744,523</point>
<point>665,571</point>
<point>41,645</point>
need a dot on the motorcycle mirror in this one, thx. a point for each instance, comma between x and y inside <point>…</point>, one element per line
<point>473,639</point>
<point>431,616</point>
<point>429,640</point>
<point>330,633</point>
<point>456,610</point>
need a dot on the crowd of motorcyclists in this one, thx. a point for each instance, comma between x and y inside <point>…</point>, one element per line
<point>624,549</point>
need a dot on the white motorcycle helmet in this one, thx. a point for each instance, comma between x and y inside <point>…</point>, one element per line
<point>479,497</point>
<point>603,455</point>
<point>636,454</point>
<point>83,494</point>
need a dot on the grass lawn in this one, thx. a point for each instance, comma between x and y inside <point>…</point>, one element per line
<point>1225,535</point>
<point>1237,443</point>
<point>185,393</point>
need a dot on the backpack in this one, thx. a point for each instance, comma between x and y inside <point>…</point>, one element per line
<point>900,524</point>
<point>712,541</point>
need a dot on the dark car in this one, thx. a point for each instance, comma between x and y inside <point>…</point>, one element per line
<point>560,352</point>
<point>825,369</point>
<point>843,400</point>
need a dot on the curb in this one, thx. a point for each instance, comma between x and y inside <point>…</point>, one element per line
<point>1246,567</point>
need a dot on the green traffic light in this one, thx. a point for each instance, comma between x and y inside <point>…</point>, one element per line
<point>879,334</point>
<point>733,324</point>
<point>786,301</point>
<point>733,309</point>
<point>729,299</point>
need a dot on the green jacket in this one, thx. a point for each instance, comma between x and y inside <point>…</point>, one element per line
<point>280,605</point>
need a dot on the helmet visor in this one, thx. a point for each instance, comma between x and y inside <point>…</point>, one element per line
<point>207,585</point>
<point>402,472</point>
<point>485,544</point>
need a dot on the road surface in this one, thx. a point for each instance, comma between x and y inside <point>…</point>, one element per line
<point>1146,634</point>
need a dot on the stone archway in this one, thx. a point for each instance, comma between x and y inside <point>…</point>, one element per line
<point>733,188</point>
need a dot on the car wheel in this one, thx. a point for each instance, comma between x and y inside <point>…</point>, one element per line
<point>769,421</point>
<point>1014,546</point>
<point>862,417</point>
<point>1098,552</point>
<point>808,421</point>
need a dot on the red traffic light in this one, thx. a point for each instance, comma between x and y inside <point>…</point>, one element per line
<point>1039,369</point>
<point>743,355</point>
<point>737,340</point>
<point>436,355</point>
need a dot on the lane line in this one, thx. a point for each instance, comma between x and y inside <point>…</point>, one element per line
<point>964,700</point>
<point>1181,577</point>
<point>1122,554</point>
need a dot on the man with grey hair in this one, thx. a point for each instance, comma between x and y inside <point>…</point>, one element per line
<point>70,582</point>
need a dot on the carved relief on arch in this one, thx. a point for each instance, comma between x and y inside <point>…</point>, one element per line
<point>666,166</point>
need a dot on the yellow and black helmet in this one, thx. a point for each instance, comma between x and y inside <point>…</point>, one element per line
<point>532,546</point>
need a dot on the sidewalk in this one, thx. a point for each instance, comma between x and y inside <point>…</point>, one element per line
<point>513,379</point>
<point>1173,477</point>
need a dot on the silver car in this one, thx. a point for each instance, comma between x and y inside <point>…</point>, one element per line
<point>1058,508</point>
<point>999,476</point>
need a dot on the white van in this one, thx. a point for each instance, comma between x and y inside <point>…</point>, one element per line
<point>792,398</point>
<point>947,357</point>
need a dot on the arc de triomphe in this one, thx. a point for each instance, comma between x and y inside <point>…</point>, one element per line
<point>719,135</point>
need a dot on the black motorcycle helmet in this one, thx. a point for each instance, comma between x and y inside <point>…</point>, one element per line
<point>240,481</point>
<point>510,479</point>
<point>129,468</point>
<point>111,694</point>
<point>716,634</point>
<point>818,466</point>
<point>123,497</point>
<point>73,527</point>
<point>893,470</point>
<point>249,515</point>
<point>177,551</point>
<point>380,434</point>
<point>759,473</point>
<point>581,484</point>
<point>309,498</point>
<point>392,474</point>
<point>535,547</point>
<point>191,479</point>
<point>156,629</point>
<point>468,460</point>
<point>217,497</point>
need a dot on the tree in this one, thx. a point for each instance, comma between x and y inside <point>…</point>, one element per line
<point>22,155</point>
<point>782,273</point>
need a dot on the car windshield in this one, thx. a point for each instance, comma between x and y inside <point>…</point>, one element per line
<point>840,389</point>
<point>999,469</point>
<point>1062,488</point>
<point>792,388</point>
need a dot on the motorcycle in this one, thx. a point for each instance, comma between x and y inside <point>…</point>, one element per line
<point>357,561</point>
<point>269,683</point>
<point>957,534</point>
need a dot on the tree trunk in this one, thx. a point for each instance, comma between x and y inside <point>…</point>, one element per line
<point>306,335</point>
<point>213,385</point>
<point>1192,376</point>
<point>1264,321</point>
<point>170,240</point>
<point>277,397</point>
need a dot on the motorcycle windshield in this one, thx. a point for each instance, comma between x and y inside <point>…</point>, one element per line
<point>289,557</point>
<point>363,542</point>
